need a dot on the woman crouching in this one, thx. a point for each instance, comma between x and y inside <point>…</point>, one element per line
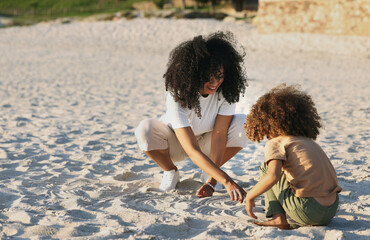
<point>205,79</point>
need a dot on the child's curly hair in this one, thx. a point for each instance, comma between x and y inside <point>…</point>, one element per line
<point>283,111</point>
<point>192,63</point>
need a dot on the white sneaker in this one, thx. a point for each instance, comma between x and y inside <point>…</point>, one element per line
<point>169,180</point>
<point>204,178</point>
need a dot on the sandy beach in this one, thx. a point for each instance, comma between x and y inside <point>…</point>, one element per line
<point>72,94</point>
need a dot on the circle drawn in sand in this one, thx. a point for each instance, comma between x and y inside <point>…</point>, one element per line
<point>150,203</point>
<point>219,206</point>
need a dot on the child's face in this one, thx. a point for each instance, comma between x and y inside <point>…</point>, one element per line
<point>214,83</point>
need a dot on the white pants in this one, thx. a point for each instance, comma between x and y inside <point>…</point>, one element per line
<point>152,134</point>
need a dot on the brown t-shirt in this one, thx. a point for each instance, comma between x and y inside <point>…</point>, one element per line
<point>305,165</point>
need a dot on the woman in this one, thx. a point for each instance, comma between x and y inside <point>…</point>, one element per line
<point>205,79</point>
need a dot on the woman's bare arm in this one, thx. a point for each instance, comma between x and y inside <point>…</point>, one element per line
<point>219,138</point>
<point>190,144</point>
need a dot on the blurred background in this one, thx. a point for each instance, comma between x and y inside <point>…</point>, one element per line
<point>338,17</point>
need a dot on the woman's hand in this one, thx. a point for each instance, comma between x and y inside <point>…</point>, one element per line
<point>249,205</point>
<point>236,193</point>
<point>205,191</point>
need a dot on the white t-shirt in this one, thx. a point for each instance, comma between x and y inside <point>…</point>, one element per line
<point>211,106</point>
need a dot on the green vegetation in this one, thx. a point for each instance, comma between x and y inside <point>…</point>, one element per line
<point>25,12</point>
<point>61,8</point>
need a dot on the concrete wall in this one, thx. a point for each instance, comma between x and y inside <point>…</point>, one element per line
<point>344,17</point>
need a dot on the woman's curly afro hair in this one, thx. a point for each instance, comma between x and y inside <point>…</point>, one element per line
<point>284,111</point>
<point>192,63</point>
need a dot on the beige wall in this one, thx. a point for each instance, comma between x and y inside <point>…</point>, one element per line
<point>344,17</point>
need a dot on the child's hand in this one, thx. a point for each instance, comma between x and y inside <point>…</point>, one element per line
<point>249,205</point>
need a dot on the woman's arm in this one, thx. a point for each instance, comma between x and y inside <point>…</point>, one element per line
<point>219,141</point>
<point>219,138</point>
<point>190,144</point>
<point>272,176</point>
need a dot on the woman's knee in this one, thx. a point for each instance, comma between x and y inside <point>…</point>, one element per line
<point>146,128</point>
<point>143,132</point>
<point>236,133</point>
<point>152,134</point>
<point>239,120</point>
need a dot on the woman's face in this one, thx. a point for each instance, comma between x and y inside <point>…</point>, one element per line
<point>214,83</point>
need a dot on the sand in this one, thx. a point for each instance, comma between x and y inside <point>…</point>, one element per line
<point>72,94</point>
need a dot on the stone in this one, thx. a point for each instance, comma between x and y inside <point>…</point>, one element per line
<point>145,6</point>
<point>339,17</point>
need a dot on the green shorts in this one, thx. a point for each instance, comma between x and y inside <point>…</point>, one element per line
<point>304,210</point>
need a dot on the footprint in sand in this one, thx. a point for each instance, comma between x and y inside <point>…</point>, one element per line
<point>45,231</point>
<point>127,176</point>
<point>19,216</point>
<point>133,183</point>
<point>3,154</point>
<point>6,200</point>
<point>85,230</point>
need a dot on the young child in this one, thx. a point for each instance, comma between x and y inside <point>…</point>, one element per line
<point>297,178</point>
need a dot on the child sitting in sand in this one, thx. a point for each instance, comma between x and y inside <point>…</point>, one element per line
<point>297,178</point>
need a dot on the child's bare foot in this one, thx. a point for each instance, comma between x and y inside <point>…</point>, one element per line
<point>278,220</point>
